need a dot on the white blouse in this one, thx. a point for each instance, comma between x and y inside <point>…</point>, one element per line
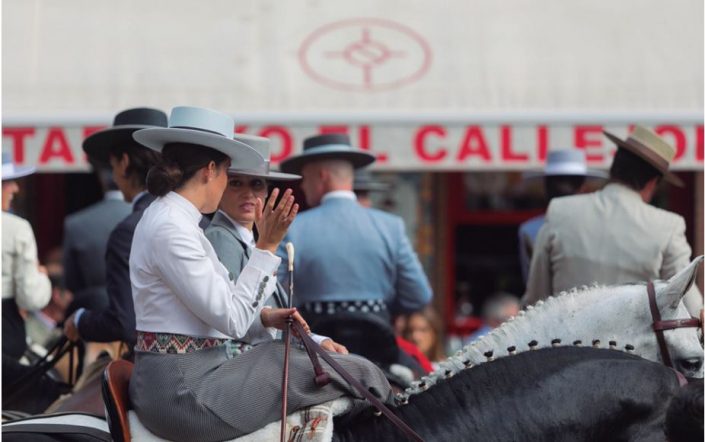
<point>178,284</point>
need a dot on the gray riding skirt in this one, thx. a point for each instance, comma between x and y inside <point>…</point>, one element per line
<point>206,395</point>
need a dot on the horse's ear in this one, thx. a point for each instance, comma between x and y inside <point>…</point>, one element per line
<point>679,284</point>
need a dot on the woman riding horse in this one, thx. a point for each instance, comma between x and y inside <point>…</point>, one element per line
<point>194,377</point>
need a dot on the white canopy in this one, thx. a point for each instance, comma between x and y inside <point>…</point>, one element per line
<point>303,64</point>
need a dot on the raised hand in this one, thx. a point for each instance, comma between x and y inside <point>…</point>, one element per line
<point>273,222</point>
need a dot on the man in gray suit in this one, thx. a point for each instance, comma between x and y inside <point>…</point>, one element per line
<point>86,235</point>
<point>614,236</point>
<point>349,258</point>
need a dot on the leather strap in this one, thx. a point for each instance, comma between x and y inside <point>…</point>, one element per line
<point>312,347</point>
<point>656,316</point>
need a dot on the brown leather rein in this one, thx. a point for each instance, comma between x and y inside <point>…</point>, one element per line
<point>321,378</point>
<point>660,325</point>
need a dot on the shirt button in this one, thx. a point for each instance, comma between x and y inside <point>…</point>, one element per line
<point>266,278</point>
<point>255,304</point>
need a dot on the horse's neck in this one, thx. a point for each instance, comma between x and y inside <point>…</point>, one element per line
<point>597,313</point>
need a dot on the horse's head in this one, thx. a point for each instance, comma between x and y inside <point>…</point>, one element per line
<point>683,344</point>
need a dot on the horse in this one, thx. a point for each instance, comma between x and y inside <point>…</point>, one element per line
<point>614,316</point>
<point>557,394</point>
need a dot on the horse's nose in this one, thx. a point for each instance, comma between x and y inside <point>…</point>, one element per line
<point>690,365</point>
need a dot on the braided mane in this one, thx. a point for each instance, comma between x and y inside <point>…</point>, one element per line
<point>514,335</point>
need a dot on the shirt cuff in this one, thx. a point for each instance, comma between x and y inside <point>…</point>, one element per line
<point>318,339</point>
<point>77,317</point>
<point>271,330</point>
<point>264,261</point>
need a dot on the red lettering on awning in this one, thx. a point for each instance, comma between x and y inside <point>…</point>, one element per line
<point>505,141</point>
<point>699,154</point>
<point>56,146</point>
<point>420,144</point>
<point>18,134</point>
<point>587,137</point>
<point>474,144</point>
<point>542,142</point>
<point>286,143</point>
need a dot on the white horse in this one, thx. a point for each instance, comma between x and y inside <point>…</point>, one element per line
<point>614,316</point>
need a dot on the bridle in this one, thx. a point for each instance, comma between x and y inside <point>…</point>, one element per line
<point>660,325</point>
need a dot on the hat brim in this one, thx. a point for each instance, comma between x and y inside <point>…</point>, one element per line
<point>19,172</point>
<point>270,176</point>
<point>358,158</point>
<point>241,155</point>
<point>589,174</point>
<point>669,176</point>
<point>372,186</point>
<point>97,145</point>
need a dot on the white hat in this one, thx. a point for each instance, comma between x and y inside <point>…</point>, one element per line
<point>12,172</point>
<point>202,127</point>
<point>566,162</point>
<point>261,145</point>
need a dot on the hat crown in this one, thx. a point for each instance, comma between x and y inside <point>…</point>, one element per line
<point>327,140</point>
<point>198,118</point>
<point>6,158</point>
<point>140,116</point>
<point>650,140</point>
<point>565,161</point>
<point>260,144</point>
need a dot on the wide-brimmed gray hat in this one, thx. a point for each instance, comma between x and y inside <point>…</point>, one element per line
<point>10,171</point>
<point>364,182</point>
<point>97,146</point>
<point>261,145</point>
<point>325,147</point>
<point>566,162</point>
<point>651,148</point>
<point>202,127</point>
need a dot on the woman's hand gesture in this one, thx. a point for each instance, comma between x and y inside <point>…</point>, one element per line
<point>273,222</point>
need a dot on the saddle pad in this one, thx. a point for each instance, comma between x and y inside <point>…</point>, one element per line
<point>80,427</point>
<point>312,424</point>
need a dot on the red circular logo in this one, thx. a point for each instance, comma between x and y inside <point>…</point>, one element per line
<point>365,54</point>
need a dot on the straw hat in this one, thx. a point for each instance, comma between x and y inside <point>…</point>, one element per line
<point>12,172</point>
<point>651,148</point>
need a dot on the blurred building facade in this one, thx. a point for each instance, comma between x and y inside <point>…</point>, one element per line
<point>456,99</point>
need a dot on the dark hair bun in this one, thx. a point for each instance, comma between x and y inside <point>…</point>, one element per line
<point>163,178</point>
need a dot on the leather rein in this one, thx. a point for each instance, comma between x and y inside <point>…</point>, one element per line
<point>660,325</point>
<point>321,378</point>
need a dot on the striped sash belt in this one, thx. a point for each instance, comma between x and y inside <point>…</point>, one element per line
<point>174,343</point>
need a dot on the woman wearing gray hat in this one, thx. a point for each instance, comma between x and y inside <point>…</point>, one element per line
<point>195,375</point>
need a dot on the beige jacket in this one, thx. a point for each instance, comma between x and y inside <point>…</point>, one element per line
<point>21,278</point>
<point>607,237</point>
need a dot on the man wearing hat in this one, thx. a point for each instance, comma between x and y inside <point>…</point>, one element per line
<point>26,286</point>
<point>115,148</point>
<point>364,184</point>
<point>564,174</point>
<point>349,258</point>
<point>614,236</point>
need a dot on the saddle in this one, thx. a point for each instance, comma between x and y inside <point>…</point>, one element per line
<point>115,388</point>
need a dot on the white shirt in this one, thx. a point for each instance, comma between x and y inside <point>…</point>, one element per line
<point>349,194</point>
<point>178,284</point>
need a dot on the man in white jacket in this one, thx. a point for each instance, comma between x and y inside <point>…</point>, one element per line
<point>614,236</point>
<point>25,284</point>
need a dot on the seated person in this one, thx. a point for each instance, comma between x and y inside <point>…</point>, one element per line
<point>423,329</point>
<point>231,229</point>
<point>196,375</point>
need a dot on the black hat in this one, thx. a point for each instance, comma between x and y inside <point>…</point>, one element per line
<point>327,147</point>
<point>364,182</point>
<point>97,146</point>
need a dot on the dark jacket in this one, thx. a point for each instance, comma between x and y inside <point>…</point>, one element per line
<point>117,322</point>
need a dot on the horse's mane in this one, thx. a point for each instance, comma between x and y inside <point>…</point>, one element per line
<point>516,328</point>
